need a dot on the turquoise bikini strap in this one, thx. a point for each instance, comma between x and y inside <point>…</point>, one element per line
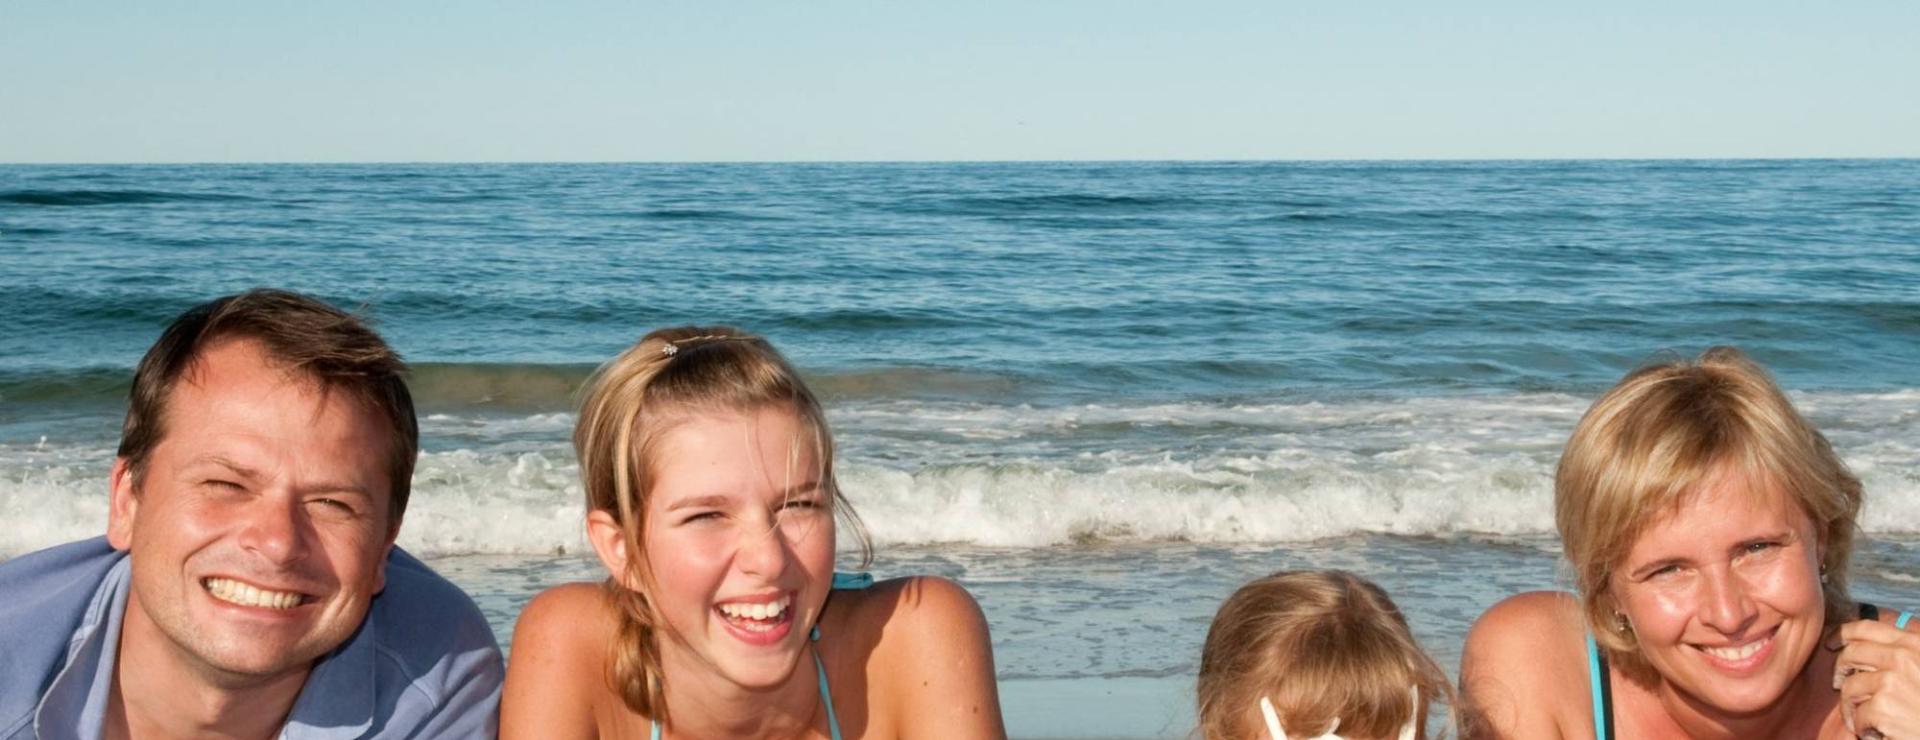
<point>851,581</point>
<point>1593,682</point>
<point>1901,623</point>
<point>826,697</point>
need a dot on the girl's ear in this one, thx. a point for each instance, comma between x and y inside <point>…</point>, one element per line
<point>610,543</point>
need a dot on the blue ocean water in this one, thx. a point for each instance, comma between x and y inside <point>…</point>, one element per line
<point>1145,381</point>
<point>1038,281</point>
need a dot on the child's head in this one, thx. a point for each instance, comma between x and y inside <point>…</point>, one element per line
<point>714,423</point>
<point>1321,647</point>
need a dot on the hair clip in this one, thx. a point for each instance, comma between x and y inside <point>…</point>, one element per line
<point>1276,732</point>
<point>670,350</point>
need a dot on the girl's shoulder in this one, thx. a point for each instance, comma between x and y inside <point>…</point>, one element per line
<point>566,617</point>
<point>923,641</point>
<point>903,617</point>
<point>556,677</point>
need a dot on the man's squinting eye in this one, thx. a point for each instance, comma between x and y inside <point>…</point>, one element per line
<point>335,505</point>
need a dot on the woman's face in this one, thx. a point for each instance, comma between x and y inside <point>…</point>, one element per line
<point>1723,595</point>
<point>739,542</point>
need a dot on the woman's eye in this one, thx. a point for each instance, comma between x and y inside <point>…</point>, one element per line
<point>1757,547</point>
<point>705,516</point>
<point>1664,571</point>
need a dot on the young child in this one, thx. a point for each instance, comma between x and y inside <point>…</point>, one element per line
<point>1314,654</point>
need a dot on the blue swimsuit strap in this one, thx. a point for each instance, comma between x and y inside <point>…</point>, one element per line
<point>1601,681</point>
<point>1901,623</point>
<point>841,582</point>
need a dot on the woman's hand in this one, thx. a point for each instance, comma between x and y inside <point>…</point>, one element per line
<point>1878,676</point>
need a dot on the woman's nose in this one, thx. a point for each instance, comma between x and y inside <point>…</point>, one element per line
<point>1727,606</point>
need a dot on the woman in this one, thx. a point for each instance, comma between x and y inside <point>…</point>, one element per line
<point>708,469</point>
<point>1708,526</point>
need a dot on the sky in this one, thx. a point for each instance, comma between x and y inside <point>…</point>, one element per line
<point>353,81</point>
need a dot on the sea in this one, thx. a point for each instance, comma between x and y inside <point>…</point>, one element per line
<point>1098,395</point>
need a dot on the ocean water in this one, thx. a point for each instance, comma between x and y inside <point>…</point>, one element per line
<point>1098,395</point>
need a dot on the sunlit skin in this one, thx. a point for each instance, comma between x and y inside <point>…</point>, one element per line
<point>736,515</point>
<point>261,479</point>
<point>1724,599</point>
<point>1733,570</point>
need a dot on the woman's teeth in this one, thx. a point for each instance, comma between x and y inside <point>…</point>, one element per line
<point>763,612</point>
<point>235,592</point>
<point>1739,652</point>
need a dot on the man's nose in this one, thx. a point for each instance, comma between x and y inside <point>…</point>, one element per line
<point>276,529</point>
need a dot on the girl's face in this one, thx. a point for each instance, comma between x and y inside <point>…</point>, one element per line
<point>1724,597</point>
<point>739,542</point>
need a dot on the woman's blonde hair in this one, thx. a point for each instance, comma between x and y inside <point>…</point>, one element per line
<point>1321,645</point>
<point>1663,435</point>
<point>627,406</point>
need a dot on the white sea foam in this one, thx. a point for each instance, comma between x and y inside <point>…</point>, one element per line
<point>1041,476</point>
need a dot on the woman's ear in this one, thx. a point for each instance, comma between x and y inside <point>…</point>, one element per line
<point>609,541</point>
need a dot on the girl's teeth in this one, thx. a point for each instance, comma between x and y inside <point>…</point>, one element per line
<point>235,592</point>
<point>761,612</point>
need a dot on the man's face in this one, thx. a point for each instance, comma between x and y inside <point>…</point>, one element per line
<point>258,531</point>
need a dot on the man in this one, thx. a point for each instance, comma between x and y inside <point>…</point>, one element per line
<point>248,586</point>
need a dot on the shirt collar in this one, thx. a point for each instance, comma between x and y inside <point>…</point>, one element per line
<point>336,703</point>
<point>75,704</point>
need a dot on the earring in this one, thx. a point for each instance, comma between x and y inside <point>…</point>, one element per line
<point>1620,620</point>
<point>1823,575</point>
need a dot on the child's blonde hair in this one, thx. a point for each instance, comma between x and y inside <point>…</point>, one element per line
<point>627,406</point>
<point>1323,646</point>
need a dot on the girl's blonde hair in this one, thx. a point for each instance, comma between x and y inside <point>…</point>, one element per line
<point>1664,434</point>
<point>1323,646</point>
<point>627,406</point>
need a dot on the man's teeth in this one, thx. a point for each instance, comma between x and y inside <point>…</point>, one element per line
<point>235,592</point>
<point>1741,652</point>
<point>762,611</point>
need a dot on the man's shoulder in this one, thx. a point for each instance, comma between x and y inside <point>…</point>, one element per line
<point>47,594</point>
<point>45,570</point>
<point>437,662</point>
<point>48,590</point>
<point>421,615</point>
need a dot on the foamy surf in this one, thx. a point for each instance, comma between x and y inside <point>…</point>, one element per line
<point>1043,476</point>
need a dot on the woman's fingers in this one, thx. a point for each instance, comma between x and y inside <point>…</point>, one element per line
<point>1878,632</point>
<point>1860,657</point>
<point>1883,697</point>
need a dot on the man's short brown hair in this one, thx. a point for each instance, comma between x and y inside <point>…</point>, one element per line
<point>302,334</point>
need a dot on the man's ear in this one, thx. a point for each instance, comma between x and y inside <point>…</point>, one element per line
<point>610,543</point>
<point>386,554</point>
<point>122,505</point>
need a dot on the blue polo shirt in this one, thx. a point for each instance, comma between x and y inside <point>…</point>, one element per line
<point>423,664</point>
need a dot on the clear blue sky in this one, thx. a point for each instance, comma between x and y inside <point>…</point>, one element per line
<point>346,80</point>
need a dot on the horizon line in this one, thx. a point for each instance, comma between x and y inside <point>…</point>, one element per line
<point>1328,160</point>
